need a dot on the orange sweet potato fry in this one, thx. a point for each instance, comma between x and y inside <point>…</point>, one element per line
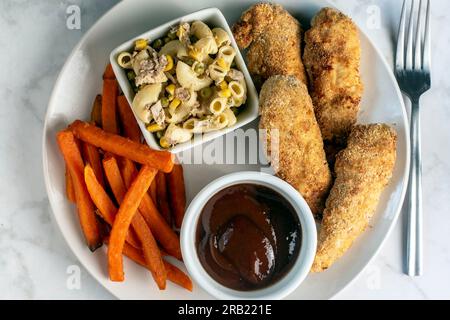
<point>159,227</point>
<point>70,192</point>
<point>109,106</point>
<point>109,73</point>
<point>129,125</point>
<point>72,156</point>
<point>160,160</point>
<point>149,246</point>
<point>102,201</point>
<point>177,193</point>
<point>161,197</point>
<point>96,112</point>
<point>134,249</point>
<point>152,255</point>
<point>125,215</point>
<point>152,191</point>
<point>174,274</point>
<point>92,157</point>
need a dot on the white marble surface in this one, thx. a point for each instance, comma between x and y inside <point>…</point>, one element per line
<point>34,258</point>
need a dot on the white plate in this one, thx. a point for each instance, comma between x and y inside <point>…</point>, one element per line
<point>80,81</point>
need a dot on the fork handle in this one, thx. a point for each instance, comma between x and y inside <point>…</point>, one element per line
<point>414,208</point>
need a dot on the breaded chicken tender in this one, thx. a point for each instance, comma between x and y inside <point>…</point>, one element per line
<point>363,170</point>
<point>287,114</point>
<point>273,39</point>
<point>332,59</point>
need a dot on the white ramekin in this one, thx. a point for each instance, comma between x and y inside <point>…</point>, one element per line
<point>214,18</point>
<point>301,266</point>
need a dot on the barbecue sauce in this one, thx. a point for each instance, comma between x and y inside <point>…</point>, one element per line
<point>248,237</point>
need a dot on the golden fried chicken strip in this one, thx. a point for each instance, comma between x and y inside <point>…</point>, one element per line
<point>363,169</point>
<point>332,59</point>
<point>287,113</point>
<point>273,39</point>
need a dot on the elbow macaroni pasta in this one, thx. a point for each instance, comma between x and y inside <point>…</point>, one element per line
<point>174,48</point>
<point>124,60</point>
<point>218,105</point>
<point>221,36</point>
<point>227,53</point>
<point>217,73</point>
<point>201,30</point>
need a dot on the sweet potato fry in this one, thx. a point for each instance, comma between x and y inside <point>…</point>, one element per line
<point>102,201</point>
<point>109,73</point>
<point>152,191</point>
<point>96,112</point>
<point>123,220</point>
<point>174,274</point>
<point>161,196</point>
<point>134,249</point>
<point>105,206</point>
<point>150,248</point>
<point>159,227</point>
<point>161,160</point>
<point>177,193</point>
<point>129,125</point>
<point>151,252</point>
<point>109,106</point>
<point>92,157</point>
<point>71,153</point>
<point>70,192</point>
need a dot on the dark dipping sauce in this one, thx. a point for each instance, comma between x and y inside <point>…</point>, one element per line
<point>248,237</point>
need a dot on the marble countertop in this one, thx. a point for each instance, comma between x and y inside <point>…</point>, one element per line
<point>35,260</point>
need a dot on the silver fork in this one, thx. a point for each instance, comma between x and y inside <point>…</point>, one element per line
<point>412,69</point>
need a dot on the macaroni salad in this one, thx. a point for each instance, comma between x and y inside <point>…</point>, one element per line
<point>185,83</point>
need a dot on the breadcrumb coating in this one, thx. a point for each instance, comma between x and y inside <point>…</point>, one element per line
<point>332,61</point>
<point>286,105</point>
<point>273,39</point>
<point>362,170</point>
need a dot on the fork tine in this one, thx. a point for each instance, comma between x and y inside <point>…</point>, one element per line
<point>409,41</point>
<point>418,43</point>
<point>400,53</point>
<point>427,40</point>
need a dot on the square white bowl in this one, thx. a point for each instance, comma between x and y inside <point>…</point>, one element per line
<point>213,17</point>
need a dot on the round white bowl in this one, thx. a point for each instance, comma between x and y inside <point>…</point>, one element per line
<point>299,270</point>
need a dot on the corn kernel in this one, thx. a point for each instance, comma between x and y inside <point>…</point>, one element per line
<point>171,89</point>
<point>154,127</point>
<point>223,85</point>
<point>174,104</point>
<point>225,93</point>
<point>164,143</point>
<point>140,44</point>
<point>169,65</point>
<point>221,63</point>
